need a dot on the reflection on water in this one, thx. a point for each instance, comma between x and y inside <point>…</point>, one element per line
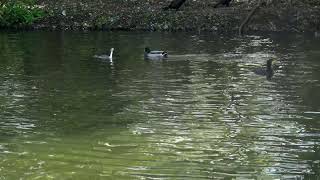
<point>201,114</point>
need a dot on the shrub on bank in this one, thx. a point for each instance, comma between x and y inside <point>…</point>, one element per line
<point>19,13</point>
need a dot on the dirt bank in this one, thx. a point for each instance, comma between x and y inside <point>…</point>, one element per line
<point>194,15</point>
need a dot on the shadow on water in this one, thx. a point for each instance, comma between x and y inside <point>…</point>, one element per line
<point>202,113</point>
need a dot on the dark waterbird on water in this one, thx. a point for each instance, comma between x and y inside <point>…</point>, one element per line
<point>175,4</point>
<point>223,2</point>
<point>268,71</point>
<point>154,54</point>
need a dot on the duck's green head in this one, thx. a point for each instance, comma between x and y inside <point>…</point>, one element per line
<point>147,50</point>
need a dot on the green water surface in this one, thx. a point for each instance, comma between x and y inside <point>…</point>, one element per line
<point>201,114</point>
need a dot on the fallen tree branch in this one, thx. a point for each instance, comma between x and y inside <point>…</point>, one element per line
<point>248,18</point>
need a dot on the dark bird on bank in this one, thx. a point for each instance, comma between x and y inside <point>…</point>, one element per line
<point>148,54</point>
<point>175,4</point>
<point>266,71</point>
<point>223,3</point>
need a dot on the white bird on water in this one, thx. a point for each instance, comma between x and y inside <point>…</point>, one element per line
<point>104,56</point>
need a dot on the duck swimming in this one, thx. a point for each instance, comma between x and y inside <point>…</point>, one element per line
<point>104,56</point>
<point>268,71</point>
<point>154,54</point>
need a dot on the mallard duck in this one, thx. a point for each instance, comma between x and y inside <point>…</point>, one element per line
<point>104,56</point>
<point>154,54</point>
<point>268,71</point>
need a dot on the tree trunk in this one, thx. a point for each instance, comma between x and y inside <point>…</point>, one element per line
<point>175,4</point>
<point>248,18</point>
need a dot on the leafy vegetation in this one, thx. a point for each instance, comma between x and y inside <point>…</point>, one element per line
<point>19,13</point>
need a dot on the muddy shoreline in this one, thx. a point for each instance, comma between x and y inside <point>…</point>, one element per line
<point>148,15</point>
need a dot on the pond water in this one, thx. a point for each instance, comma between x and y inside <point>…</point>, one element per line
<point>200,114</point>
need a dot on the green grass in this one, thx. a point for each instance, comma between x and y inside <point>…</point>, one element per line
<point>19,13</point>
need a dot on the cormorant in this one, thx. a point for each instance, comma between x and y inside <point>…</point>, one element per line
<point>223,2</point>
<point>175,4</point>
<point>268,71</point>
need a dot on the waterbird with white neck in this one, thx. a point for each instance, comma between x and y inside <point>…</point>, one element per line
<point>105,56</point>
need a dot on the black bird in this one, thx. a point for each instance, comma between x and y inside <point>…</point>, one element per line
<point>175,4</point>
<point>268,72</point>
<point>223,2</point>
